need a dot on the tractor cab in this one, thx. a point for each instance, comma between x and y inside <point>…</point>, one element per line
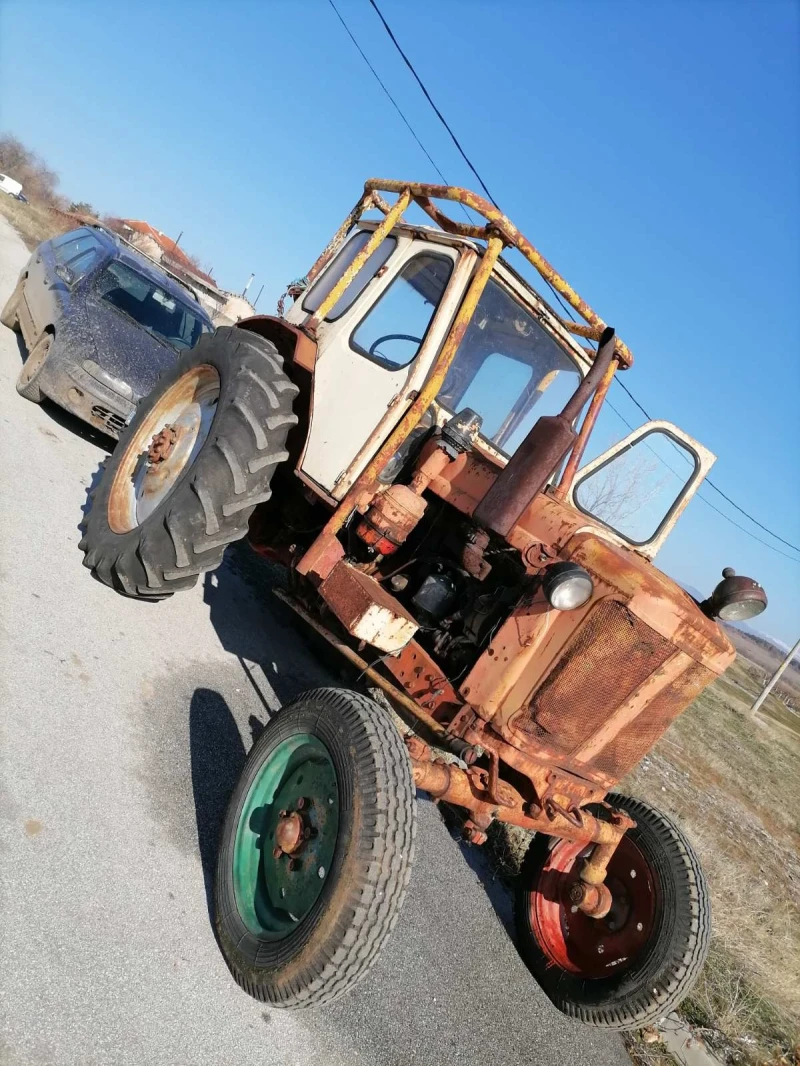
<point>517,360</point>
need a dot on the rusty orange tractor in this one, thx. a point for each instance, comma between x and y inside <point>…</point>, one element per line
<point>408,439</point>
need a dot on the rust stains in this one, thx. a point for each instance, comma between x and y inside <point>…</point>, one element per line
<point>498,223</point>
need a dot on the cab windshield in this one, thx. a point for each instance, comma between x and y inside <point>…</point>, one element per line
<point>508,369</point>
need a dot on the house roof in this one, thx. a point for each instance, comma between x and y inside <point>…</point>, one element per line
<point>169,248</point>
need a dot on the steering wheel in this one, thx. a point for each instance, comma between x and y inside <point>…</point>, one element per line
<point>393,337</point>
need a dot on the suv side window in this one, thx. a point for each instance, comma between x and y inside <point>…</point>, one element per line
<point>395,327</point>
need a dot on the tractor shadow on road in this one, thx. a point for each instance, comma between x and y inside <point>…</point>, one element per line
<point>253,626</point>
<point>279,658</point>
<point>217,756</point>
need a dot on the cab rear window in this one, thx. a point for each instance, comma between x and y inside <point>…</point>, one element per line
<point>323,285</point>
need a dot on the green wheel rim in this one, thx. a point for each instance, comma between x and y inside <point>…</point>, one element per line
<point>296,791</point>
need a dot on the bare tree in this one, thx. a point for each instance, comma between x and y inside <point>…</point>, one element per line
<point>39,181</point>
<point>623,488</point>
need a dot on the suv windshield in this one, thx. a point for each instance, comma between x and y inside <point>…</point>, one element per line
<point>155,309</point>
<point>508,369</point>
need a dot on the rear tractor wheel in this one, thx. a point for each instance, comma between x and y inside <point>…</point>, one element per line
<point>196,459</point>
<point>637,963</point>
<point>316,850</point>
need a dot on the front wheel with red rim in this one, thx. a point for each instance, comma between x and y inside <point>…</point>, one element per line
<point>635,965</point>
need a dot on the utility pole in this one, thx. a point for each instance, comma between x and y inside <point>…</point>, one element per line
<point>256,299</point>
<point>247,286</point>
<point>771,683</point>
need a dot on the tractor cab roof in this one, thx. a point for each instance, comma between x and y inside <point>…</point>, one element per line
<point>519,286</point>
<point>497,225</point>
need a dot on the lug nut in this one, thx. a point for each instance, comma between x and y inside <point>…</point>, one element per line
<point>277,852</point>
<point>283,814</point>
<point>306,833</point>
<point>301,803</point>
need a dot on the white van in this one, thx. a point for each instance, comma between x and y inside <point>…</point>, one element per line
<point>13,188</point>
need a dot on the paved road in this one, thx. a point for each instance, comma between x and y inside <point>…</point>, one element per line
<point>123,728</point>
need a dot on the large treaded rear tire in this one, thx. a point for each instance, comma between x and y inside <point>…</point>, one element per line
<point>336,943</point>
<point>665,967</point>
<point>214,496</point>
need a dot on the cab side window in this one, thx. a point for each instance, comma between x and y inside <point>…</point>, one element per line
<point>323,285</point>
<point>395,327</point>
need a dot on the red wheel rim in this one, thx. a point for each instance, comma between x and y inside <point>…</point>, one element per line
<point>593,947</point>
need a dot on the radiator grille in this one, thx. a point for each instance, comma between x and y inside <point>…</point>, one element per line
<point>634,741</point>
<point>608,659</point>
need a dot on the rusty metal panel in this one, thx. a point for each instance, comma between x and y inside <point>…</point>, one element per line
<point>366,610</point>
<point>634,741</point>
<point>498,222</point>
<point>423,678</point>
<point>612,654</point>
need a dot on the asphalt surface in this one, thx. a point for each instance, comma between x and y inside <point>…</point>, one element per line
<point>123,728</point>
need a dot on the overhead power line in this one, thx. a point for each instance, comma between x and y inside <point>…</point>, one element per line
<point>394,103</point>
<point>427,95</point>
<point>716,488</point>
<point>392,100</point>
<point>555,292</point>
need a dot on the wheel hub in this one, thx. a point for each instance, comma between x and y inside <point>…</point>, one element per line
<point>161,445</point>
<point>286,837</point>
<point>289,833</point>
<point>594,934</point>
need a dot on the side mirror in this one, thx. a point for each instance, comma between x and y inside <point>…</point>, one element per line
<point>65,273</point>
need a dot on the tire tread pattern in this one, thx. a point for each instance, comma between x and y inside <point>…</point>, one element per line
<point>211,504</point>
<point>685,934</point>
<point>384,835</point>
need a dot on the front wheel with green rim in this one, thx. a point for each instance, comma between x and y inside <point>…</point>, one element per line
<point>316,850</point>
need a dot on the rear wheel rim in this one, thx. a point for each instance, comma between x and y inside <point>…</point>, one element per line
<point>296,787</point>
<point>594,948</point>
<point>32,365</point>
<point>164,445</point>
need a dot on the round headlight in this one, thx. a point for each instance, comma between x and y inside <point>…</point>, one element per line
<point>735,599</point>
<point>566,586</point>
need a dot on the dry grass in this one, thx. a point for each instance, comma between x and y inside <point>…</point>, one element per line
<point>33,222</point>
<point>734,785</point>
<point>643,1052</point>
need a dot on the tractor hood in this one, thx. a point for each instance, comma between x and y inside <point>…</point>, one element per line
<point>654,597</point>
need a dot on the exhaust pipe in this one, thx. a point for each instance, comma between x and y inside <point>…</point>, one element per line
<point>550,438</point>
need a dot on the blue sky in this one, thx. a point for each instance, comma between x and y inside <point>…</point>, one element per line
<point>650,150</point>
